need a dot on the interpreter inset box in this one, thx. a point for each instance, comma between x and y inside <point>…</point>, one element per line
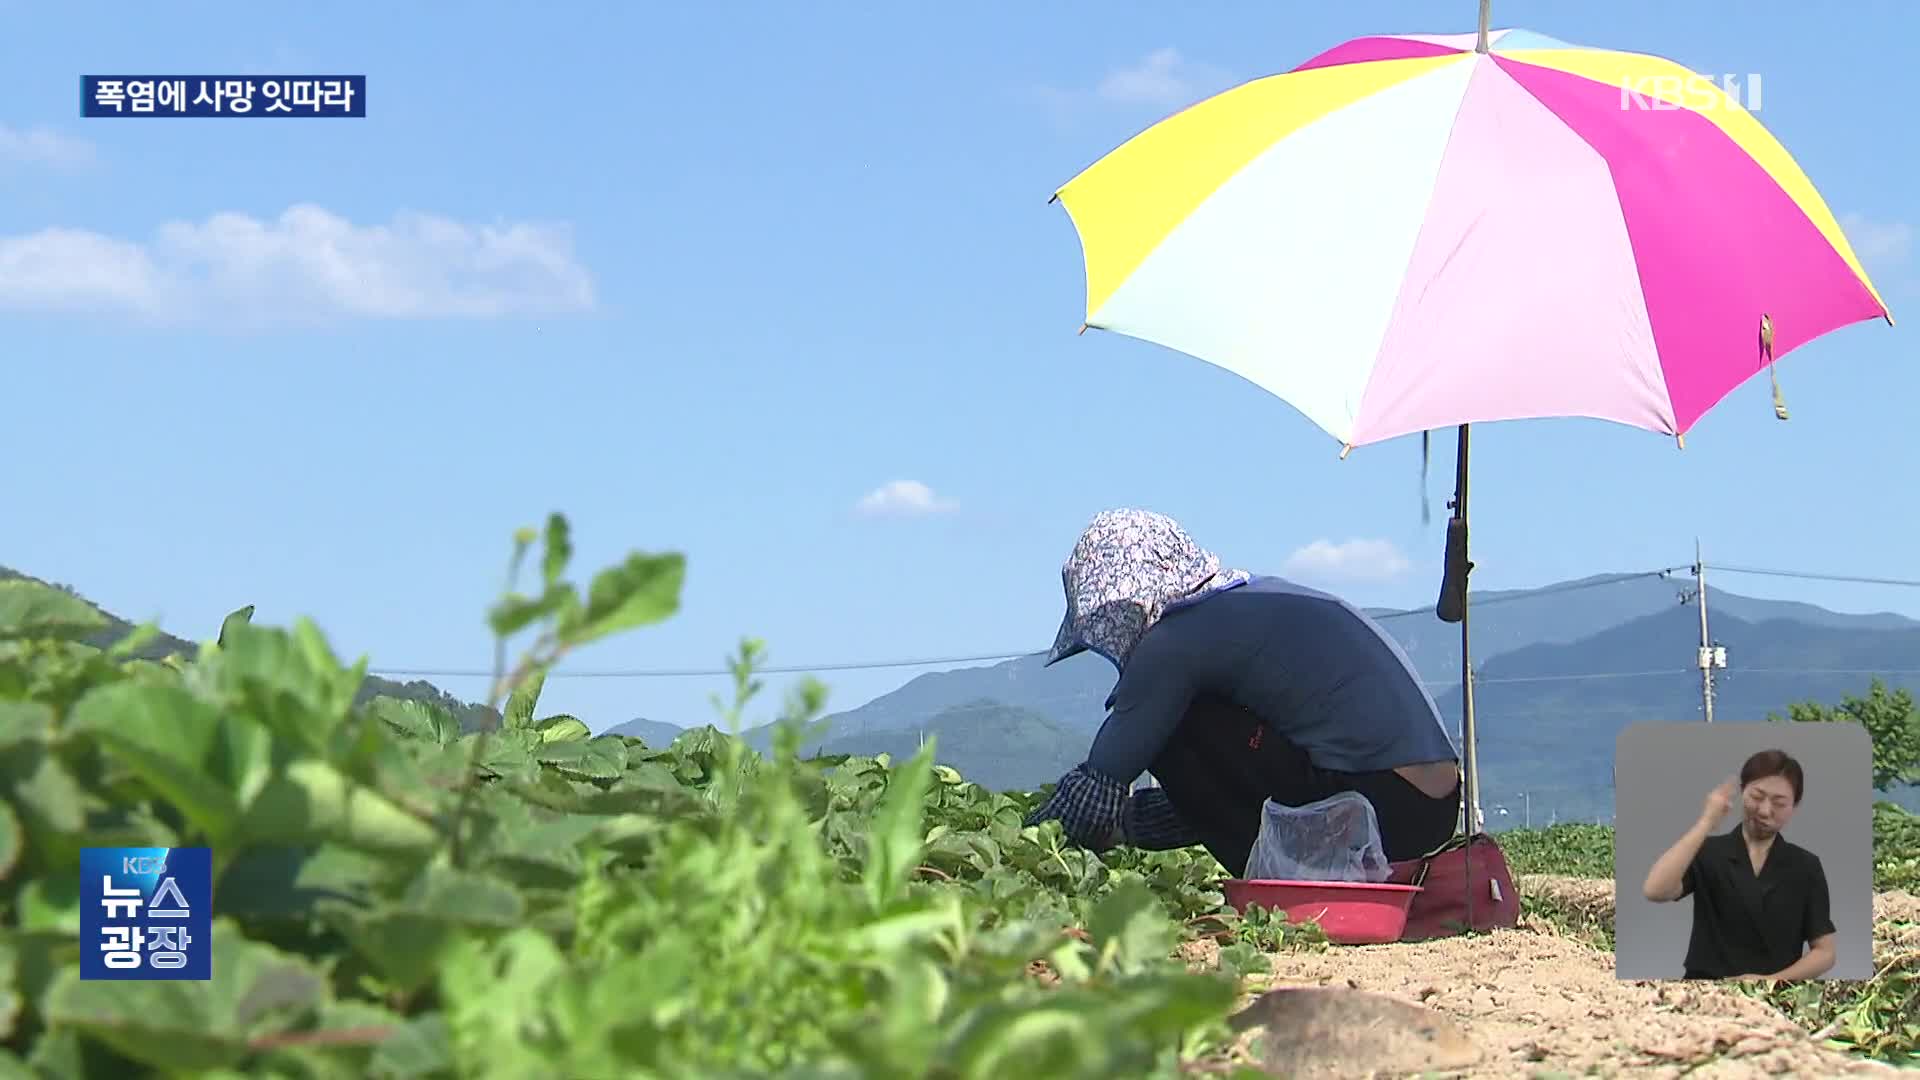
<point>1743,850</point>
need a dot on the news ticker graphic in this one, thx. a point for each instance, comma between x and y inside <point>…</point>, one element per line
<point>109,96</point>
<point>146,913</point>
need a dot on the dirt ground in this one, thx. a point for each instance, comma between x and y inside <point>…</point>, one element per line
<point>1535,1002</point>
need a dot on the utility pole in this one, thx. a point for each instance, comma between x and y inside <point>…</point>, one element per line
<point>1711,656</point>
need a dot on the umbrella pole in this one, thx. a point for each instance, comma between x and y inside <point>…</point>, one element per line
<point>1469,731</point>
<point>1452,608</point>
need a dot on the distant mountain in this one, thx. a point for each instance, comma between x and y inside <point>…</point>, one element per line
<point>1071,694</point>
<point>654,733</point>
<point>993,745</point>
<point>1509,626</point>
<point>471,717</point>
<point>1546,713</point>
<point>1560,670</point>
<point>1559,614</point>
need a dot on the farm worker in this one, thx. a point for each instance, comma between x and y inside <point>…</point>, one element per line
<point>1234,689</point>
<point>1758,898</point>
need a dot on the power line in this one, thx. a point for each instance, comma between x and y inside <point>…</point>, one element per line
<point>1478,681</point>
<point>684,673</point>
<point>1821,671</point>
<point>1807,575</point>
<point>982,658</point>
<point>1550,590</point>
<point>966,709</point>
<point>642,673</point>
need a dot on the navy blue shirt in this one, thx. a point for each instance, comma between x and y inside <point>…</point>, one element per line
<point>1317,670</point>
<point>1753,924</point>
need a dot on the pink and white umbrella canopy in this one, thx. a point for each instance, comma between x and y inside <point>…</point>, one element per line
<point>1401,235</point>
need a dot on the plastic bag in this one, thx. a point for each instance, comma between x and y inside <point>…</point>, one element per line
<point>1335,839</point>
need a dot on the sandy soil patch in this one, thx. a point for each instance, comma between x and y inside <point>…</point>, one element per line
<point>1537,1003</point>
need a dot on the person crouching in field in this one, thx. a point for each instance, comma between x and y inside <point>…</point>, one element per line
<point>1758,898</point>
<point>1234,689</point>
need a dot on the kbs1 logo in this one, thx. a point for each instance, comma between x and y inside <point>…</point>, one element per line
<point>146,913</point>
<point>1698,93</point>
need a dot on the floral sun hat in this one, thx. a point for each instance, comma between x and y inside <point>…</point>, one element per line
<point>1128,569</point>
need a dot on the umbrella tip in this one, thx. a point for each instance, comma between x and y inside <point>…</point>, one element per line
<point>1082,330</point>
<point>1680,441</point>
<point>1345,449</point>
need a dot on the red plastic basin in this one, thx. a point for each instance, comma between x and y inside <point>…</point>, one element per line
<point>1349,912</point>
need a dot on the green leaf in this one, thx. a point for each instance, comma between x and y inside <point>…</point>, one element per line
<point>340,1043</point>
<point>514,612</point>
<point>508,753</point>
<point>310,801</point>
<point>544,854</point>
<point>465,898</point>
<point>407,947</point>
<point>51,905</point>
<point>559,550</point>
<point>64,1053</point>
<point>29,609</point>
<point>136,640</point>
<point>1130,928</point>
<point>284,882</point>
<point>13,842</point>
<point>894,844</point>
<point>563,728</point>
<point>911,925</point>
<point>232,622</point>
<point>525,696</point>
<point>183,1026</point>
<point>205,764</point>
<point>417,1048</point>
<point>1025,1040</point>
<point>604,758</point>
<point>416,719</point>
<point>289,680</point>
<point>49,801</point>
<point>411,939</point>
<point>643,590</point>
<point>10,1003</point>
<point>492,993</point>
<point>24,721</point>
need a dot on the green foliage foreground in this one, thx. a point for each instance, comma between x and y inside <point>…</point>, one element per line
<point>396,899</point>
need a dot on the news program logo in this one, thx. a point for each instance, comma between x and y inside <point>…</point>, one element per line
<point>1698,93</point>
<point>146,913</point>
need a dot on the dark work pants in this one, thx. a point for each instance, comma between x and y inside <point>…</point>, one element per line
<point>1222,765</point>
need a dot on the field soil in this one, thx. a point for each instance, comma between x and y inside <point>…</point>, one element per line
<point>1538,1001</point>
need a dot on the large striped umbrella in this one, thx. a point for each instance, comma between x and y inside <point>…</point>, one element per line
<point>1421,231</point>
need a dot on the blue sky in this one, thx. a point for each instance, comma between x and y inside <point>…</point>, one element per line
<point>704,279</point>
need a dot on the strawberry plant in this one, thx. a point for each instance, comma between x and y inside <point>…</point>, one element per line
<point>397,898</point>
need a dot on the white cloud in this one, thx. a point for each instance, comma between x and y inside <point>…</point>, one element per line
<point>1163,80</point>
<point>1886,249</point>
<point>42,146</point>
<point>903,498</point>
<point>1886,243</point>
<point>1354,560</point>
<point>308,265</point>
